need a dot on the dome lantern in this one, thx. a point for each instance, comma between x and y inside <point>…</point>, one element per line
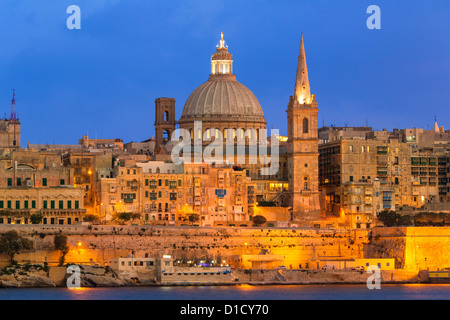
<point>222,60</point>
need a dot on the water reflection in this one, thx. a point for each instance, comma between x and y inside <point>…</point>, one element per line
<point>238,292</point>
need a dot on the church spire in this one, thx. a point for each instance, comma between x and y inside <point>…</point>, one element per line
<point>435,127</point>
<point>302,88</point>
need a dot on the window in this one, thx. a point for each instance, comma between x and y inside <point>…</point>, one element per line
<point>77,204</point>
<point>69,204</point>
<point>61,204</point>
<point>17,204</point>
<point>61,182</point>
<point>9,182</point>
<point>52,204</point>
<point>25,204</point>
<point>45,204</point>
<point>1,204</point>
<point>9,204</point>
<point>44,182</point>
<point>33,204</point>
<point>305,126</point>
<point>305,183</point>
<point>19,182</point>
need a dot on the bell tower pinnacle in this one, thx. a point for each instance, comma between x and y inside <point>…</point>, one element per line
<point>302,88</point>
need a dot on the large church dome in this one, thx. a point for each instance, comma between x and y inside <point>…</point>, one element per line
<point>222,102</point>
<point>224,98</point>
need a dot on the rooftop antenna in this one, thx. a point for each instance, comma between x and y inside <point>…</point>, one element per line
<point>13,106</point>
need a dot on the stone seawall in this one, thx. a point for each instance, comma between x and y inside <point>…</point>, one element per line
<point>319,277</point>
<point>91,276</point>
<point>101,243</point>
<point>413,248</point>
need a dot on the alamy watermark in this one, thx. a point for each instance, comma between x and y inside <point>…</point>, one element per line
<point>74,20</point>
<point>374,280</point>
<point>74,279</point>
<point>374,21</point>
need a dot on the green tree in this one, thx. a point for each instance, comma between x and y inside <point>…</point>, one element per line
<point>60,242</point>
<point>123,217</point>
<point>405,220</point>
<point>90,218</point>
<point>429,219</point>
<point>388,218</point>
<point>193,218</point>
<point>36,218</point>
<point>259,220</point>
<point>12,243</point>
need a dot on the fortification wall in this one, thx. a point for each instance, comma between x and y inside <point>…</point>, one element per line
<point>413,248</point>
<point>101,243</point>
<point>427,248</point>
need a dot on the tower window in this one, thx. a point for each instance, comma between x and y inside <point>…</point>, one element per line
<point>166,136</point>
<point>166,116</point>
<point>305,126</point>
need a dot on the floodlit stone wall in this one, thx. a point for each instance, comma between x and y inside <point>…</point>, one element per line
<point>413,248</point>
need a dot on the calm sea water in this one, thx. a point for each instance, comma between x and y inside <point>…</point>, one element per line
<point>244,292</point>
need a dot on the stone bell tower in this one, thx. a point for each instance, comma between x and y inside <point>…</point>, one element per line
<point>303,147</point>
<point>164,120</point>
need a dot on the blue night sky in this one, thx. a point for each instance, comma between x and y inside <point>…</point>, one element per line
<point>102,80</point>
